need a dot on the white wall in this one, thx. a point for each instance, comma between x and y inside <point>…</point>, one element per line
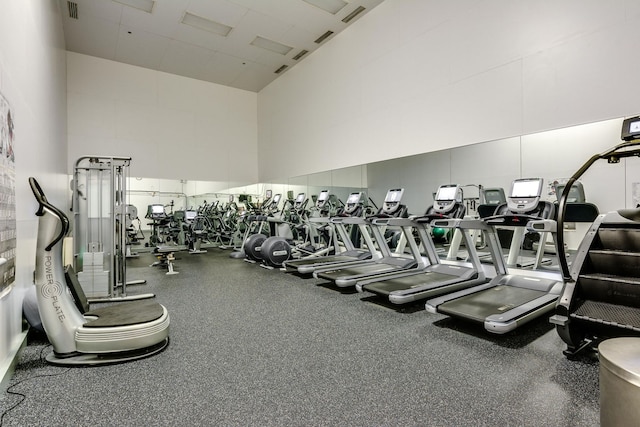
<point>415,76</point>
<point>173,127</point>
<point>33,80</point>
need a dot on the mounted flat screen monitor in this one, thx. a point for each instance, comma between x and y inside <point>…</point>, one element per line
<point>244,198</point>
<point>525,194</point>
<point>190,215</point>
<point>230,198</point>
<point>267,195</point>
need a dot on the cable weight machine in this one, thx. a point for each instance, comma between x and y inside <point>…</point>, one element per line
<point>100,232</point>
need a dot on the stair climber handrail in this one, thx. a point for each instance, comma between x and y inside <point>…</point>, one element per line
<point>613,155</point>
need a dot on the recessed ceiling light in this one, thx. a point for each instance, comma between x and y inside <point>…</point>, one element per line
<point>146,5</point>
<point>206,24</point>
<point>271,45</point>
<point>331,6</point>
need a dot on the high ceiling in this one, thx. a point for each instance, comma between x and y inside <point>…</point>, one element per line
<point>261,37</point>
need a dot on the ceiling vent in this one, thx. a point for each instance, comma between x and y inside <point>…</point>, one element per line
<point>281,69</point>
<point>323,37</point>
<point>353,14</point>
<point>302,53</point>
<point>73,9</point>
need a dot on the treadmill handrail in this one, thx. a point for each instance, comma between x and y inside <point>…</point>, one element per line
<point>613,154</point>
<point>462,223</point>
<point>393,222</point>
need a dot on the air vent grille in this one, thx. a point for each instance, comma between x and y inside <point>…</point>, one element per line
<point>353,14</point>
<point>302,53</point>
<point>73,9</point>
<point>324,37</point>
<point>281,69</point>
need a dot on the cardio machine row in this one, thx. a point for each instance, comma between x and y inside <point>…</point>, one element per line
<point>398,260</point>
<point>593,298</point>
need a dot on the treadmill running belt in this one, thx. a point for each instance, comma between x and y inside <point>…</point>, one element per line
<point>354,271</point>
<point>409,282</point>
<point>480,305</point>
<point>320,260</point>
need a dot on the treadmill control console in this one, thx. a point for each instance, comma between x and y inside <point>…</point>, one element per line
<point>322,200</point>
<point>631,129</point>
<point>525,194</point>
<point>352,203</point>
<point>392,201</point>
<point>446,198</point>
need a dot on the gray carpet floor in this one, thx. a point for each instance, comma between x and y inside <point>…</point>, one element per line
<point>251,346</point>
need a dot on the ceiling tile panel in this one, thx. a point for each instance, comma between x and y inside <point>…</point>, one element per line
<point>140,48</point>
<point>92,36</point>
<point>186,60</point>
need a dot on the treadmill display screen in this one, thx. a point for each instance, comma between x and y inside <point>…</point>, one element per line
<point>324,195</point>
<point>394,195</point>
<point>526,188</point>
<point>354,198</point>
<point>447,192</point>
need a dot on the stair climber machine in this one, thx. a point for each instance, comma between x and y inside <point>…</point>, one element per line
<point>439,277</point>
<point>113,334</point>
<point>392,213</point>
<point>348,217</point>
<point>510,299</point>
<point>601,296</point>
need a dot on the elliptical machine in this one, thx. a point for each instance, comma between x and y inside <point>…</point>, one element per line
<point>276,249</point>
<point>114,334</point>
<point>253,243</point>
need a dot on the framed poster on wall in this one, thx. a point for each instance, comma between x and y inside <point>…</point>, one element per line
<point>7,197</point>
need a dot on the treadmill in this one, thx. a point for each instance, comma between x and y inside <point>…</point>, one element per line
<point>349,216</point>
<point>440,277</point>
<point>511,298</point>
<point>392,213</point>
